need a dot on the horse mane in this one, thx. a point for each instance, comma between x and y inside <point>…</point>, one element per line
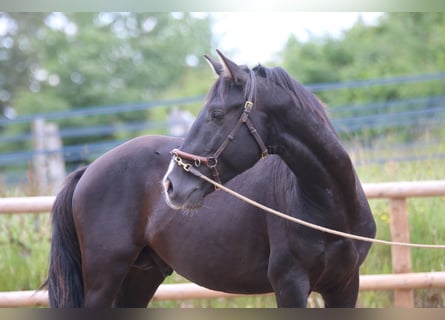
<point>299,92</point>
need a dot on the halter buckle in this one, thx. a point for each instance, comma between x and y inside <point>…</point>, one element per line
<point>248,106</point>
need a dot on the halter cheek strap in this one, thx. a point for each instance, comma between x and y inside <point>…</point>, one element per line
<point>212,161</point>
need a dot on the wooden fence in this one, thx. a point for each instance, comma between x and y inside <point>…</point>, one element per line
<point>402,281</point>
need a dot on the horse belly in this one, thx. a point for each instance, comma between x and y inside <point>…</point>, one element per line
<point>229,259</point>
<point>224,273</point>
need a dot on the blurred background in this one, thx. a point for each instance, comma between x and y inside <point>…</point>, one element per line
<point>103,78</point>
<point>75,85</point>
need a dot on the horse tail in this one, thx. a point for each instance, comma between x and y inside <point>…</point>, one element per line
<point>65,283</point>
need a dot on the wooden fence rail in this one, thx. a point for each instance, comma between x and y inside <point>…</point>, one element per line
<point>402,280</point>
<point>184,291</point>
<point>388,190</point>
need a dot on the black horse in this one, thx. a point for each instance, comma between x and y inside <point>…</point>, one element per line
<point>114,240</point>
<point>247,115</point>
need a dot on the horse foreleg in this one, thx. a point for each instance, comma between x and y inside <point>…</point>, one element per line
<point>344,296</point>
<point>290,283</point>
<point>290,294</point>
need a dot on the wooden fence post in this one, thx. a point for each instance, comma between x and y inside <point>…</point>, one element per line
<point>54,158</point>
<point>38,161</point>
<point>48,162</point>
<point>401,256</point>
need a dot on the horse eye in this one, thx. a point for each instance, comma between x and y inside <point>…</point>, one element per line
<point>217,115</point>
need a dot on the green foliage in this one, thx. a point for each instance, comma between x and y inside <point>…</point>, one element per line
<point>24,243</point>
<point>79,60</point>
<point>400,44</point>
<point>117,58</point>
<point>426,226</point>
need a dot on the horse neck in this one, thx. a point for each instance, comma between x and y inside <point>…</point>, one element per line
<point>313,152</point>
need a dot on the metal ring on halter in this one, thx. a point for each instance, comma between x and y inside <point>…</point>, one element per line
<point>212,162</point>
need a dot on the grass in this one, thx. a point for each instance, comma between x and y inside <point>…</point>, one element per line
<point>426,221</point>
<point>24,243</point>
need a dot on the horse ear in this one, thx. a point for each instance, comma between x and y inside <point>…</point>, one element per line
<point>232,70</point>
<point>216,66</point>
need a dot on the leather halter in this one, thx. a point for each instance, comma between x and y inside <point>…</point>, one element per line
<point>212,161</point>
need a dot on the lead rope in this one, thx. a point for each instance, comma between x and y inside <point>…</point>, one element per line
<point>308,224</point>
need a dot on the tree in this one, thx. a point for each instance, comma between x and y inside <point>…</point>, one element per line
<point>79,60</point>
<point>400,44</point>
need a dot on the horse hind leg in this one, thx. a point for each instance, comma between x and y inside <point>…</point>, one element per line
<point>142,281</point>
<point>122,277</point>
<point>138,288</point>
<point>104,272</point>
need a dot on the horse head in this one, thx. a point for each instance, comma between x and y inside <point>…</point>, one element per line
<point>226,138</point>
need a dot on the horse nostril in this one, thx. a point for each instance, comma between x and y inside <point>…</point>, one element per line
<point>168,186</point>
